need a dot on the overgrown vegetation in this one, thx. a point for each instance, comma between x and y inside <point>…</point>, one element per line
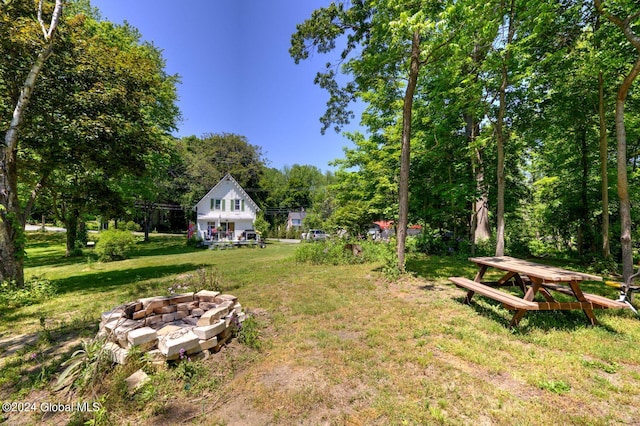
<point>35,290</point>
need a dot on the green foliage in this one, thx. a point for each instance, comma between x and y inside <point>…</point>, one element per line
<point>195,241</point>
<point>114,244</point>
<point>85,367</point>
<point>260,224</point>
<point>555,386</point>
<point>342,252</point>
<point>204,161</point>
<point>35,290</point>
<point>248,332</point>
<point>130,226</point>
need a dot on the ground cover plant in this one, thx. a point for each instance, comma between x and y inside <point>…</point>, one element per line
<point>328,344</point>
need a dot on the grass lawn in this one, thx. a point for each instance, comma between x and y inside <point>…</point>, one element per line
<point>339,345</point>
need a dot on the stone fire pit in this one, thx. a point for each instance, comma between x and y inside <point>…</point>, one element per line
<point>172,327</point>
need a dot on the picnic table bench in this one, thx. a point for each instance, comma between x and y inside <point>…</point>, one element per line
<point>534,279</point>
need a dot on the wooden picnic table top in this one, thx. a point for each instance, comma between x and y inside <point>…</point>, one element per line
<point>544,272</point>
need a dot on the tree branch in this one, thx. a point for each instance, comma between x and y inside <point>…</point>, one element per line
<point>55,18</point>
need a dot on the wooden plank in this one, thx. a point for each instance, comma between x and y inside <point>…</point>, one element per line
<point>508,299</point>
<point>600,302</point>
<point>524,267</point>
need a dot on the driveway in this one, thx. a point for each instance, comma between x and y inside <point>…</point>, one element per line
<point>46,228</point>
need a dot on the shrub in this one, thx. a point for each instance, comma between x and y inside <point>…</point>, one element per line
<point>131,226</point>
<point>195,241</point>
<point>340,252</point>
<point>114,244</point>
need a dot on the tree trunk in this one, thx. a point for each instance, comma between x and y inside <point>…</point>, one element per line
<point>500,135</point>
<point>623,184</point>
<point>405,156</point>
<point>11,222</point>
<point>585,224</point>
<point>500,148</point>
<point>480,228</point>
<point>71,224</point>
<point>12,218</point>
<point>606,250</point>
<point>147,211</point>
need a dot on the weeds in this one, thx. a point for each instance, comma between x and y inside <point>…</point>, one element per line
<point>248,333</point>
<point>85,367</point>
<point>555,386</point>
<point>35,290</point>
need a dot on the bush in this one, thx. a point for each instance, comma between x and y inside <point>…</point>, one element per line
<point>195,241</point>
<point>114,244</point>
<point>131,226</point>
<point>340,252</point>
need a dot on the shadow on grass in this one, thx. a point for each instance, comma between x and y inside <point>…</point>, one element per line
<point>44,253</point>
<point>108,280</point>
<point>160,247</point>
<point>561,320</point>
<point>440,267</point>
<point>47,348</point>
<point>104,281</point>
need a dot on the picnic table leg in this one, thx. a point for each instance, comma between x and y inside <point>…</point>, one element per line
<point>577,292</point>
<point>480,274</point>
<point>467,298</point>
<point>517,317</point>
<point>533,290</point>
<point>520,283</point>
<point>478,278</point>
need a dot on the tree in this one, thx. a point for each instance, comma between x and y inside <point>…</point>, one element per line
<point>206,160</point>
<point>20,28</point>
<point>389,44</point>
<point>108,109</point>
<point>624,15</point>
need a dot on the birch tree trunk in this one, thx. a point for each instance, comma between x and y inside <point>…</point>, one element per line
<point>12,219</point>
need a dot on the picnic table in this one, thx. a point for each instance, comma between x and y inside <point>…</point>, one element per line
<point>534,279</point>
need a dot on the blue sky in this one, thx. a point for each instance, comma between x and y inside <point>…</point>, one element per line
<point>237,75</point>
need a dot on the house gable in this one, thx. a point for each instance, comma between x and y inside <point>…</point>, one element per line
<point>227,198</point>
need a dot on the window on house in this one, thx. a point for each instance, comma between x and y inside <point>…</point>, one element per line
<point>217,204</point>
<point>236,204</point>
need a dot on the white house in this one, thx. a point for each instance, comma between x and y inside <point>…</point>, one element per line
<point>225,212</point>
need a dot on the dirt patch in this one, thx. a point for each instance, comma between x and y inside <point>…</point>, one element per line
<point>10,345</point>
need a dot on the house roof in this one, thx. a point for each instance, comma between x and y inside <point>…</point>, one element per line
<point>229,178</point>
<point>384,224</point>
<point>297,215</point>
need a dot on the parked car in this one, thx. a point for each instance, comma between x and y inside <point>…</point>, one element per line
<point>316,235</point>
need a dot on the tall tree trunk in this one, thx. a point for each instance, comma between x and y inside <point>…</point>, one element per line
<point>585,225</point>
<point>606,250</point>
<point>12,218</point>
<point>621,135</point>
<point>500,134</point>
<point>480,229</point>
<point>405,155</point>
<point>623,184</point>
